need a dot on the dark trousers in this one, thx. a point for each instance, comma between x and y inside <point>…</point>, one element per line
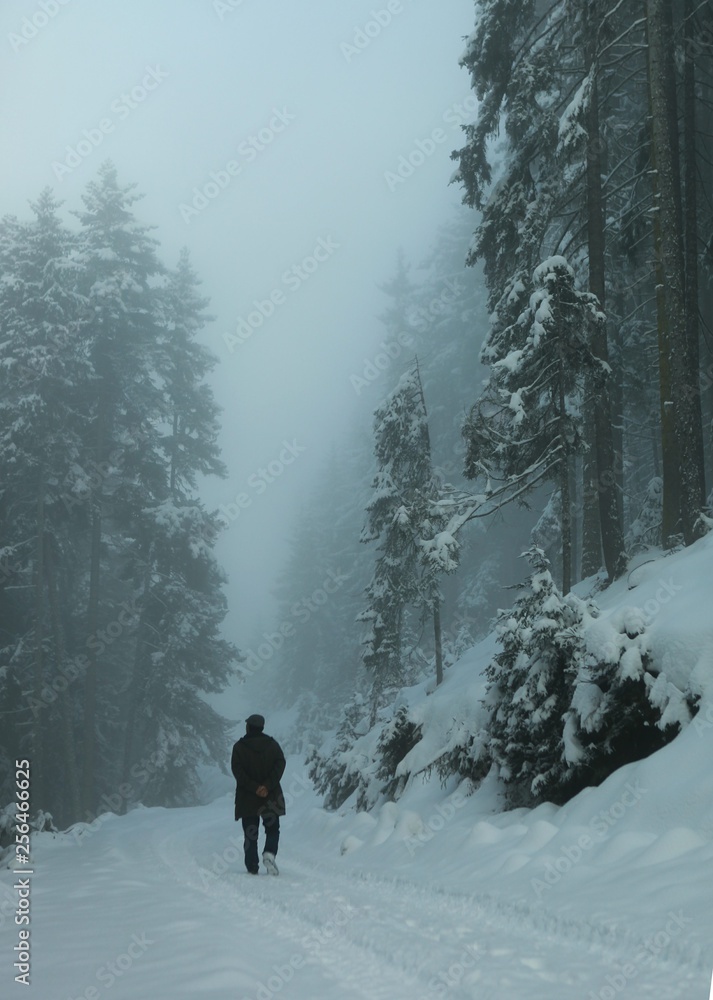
<point>251,828</point>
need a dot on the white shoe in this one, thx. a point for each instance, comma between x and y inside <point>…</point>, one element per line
<point>269,861</point>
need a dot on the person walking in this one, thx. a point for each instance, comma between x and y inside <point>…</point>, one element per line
<point>257,764</point>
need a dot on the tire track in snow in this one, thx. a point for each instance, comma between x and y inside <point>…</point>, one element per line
<point>298,921</point>
<point>681,962</point>
<point>401,938</point>
<point>613,940</point>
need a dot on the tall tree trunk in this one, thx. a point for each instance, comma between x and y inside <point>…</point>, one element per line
<point>676,359</point>
<point>655,456</point>
<point>670,459</point>
<point>564,474</point>
<point>70,791</point>
<point>91,678</point>
<point>566,527</point>
<point>39,789</point>
<point>616,394</point>
<point>591,527</point>
<point>174,452</point>
<point>90,689</point>
<point>670,465</point>
<point>438,642</point>
<point>575,480</point>
<point>705,145</point>
<point>671,88</point>
<point>691,233</point>
<point>135,685</point>
<point>612,529</point>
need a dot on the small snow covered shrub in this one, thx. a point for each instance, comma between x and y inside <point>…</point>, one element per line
<point>42,822</point>
<point>574,695</point>
<point>362,759</point>
<point>338,768</point>
<point>622,710</point>
<point>531,683</point>
<point>397,739</point>
<point>468,756</point>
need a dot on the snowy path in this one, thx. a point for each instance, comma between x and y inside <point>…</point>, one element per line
<point>142,907</point>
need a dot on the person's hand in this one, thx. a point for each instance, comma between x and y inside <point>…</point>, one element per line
<point>261,791</point>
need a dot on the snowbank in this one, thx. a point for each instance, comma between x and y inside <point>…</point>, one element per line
<point>631,852</point>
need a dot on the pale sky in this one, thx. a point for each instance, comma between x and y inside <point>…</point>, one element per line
<point>298,116</point>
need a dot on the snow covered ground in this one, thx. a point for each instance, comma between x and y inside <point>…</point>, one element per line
<point>608,896</point>
<point>437,895</point>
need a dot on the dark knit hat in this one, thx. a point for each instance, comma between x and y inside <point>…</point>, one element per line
<point>256,721</point>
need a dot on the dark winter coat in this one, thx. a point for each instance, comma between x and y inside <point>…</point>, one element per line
<point>258,760</point>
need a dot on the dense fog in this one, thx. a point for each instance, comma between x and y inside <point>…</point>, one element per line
<point>315,113</point>
<point>315,320</point>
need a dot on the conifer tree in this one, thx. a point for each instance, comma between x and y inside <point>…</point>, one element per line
<point>528,423</point>
<point>179,653</point>
<point>622,709</point>
<point>531,681</point>
<point>42,427</point>
<point>403,516</point>
<point>184,363</point>
<point>318,663</point>
<point>110,597</point>
<point>176,581</point>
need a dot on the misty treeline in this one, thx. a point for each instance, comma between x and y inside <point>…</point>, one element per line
<point>110,595</point>
<point>589,166</point>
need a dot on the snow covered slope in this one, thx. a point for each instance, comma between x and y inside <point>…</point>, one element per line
<point>437,895</point>
<point>632,857</point>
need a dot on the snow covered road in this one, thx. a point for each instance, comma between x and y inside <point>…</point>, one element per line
<point>157,904</point>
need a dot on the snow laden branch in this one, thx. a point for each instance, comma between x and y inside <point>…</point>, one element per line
<point>527,424</point>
